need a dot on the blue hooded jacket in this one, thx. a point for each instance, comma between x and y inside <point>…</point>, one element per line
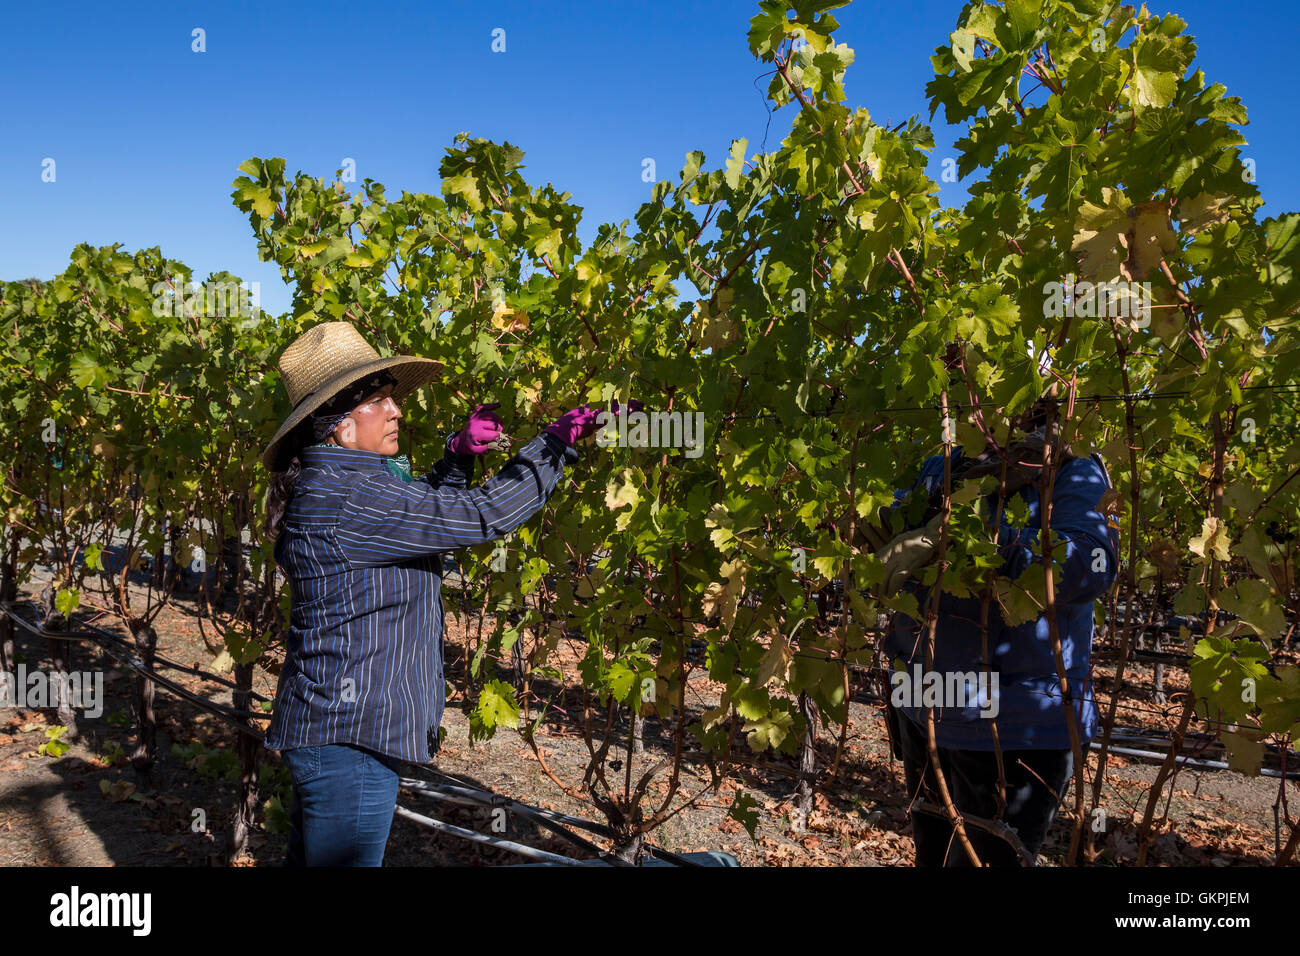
<point>1030,709</point>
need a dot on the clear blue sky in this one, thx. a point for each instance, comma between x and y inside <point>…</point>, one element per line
<point>148,135</point>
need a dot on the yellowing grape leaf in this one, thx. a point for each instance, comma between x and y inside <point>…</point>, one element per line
<point>1213,541</point>
<point>101,447</point>
<point>721,527</point>
<point>1149,239</point>
<point>711,718</point>
<point>622,491</point>
<point>508,319</point>
<point>721,599</point>
<point>715,328</point>
<point>1097,233</point>
<point>768,731</point>
<point>1202,211</point>
<point>530,394</point>
<point>775,662</point>
<point>309,249</point>
<point>1114,239</point>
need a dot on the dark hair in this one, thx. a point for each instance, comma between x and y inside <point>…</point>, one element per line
<point>280,491</point>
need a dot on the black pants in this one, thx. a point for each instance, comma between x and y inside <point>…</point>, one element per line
<point>972,777</point>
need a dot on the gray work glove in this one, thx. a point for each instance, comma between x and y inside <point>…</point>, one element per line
<point>907,552</point>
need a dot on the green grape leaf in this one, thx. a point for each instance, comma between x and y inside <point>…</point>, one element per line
<point>744,810</point>
<point>496,707</point>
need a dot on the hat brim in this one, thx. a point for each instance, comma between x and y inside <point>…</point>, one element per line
<point>411,373</point>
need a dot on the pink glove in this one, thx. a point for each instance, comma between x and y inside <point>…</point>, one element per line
<point>582,421</point>
<point>482,433</point>
<point>574,424</point>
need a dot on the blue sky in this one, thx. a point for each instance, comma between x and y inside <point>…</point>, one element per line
<point>147,135</point>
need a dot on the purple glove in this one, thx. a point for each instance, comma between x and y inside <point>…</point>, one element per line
<point>482,433</point>
<point>574,424</point>
<point>582,421</point>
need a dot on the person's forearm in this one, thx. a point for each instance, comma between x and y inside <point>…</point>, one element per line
<point>383,521</point>
<point>1087,569</point>
<point>453,470</point>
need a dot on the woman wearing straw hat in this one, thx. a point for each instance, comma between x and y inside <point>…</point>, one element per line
<point>360,539</point>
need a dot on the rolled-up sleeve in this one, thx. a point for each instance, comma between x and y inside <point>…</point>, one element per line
<point>385,521</point>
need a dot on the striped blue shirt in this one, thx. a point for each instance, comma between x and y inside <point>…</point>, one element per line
<point>363,553</point>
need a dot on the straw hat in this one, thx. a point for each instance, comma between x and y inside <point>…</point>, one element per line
<point>326,359</point>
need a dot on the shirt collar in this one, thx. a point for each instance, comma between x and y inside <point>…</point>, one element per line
<point>350,459</point>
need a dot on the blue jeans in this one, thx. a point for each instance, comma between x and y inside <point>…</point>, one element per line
<point>343,800</point>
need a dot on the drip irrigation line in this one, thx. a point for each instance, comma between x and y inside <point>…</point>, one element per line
<point>492,841</point>
<point>1153,757</point>
<point>461,793</point>
<point>1168,713</point>
<point>439,793</point>
<point>1146,657</point>
<point>489,797</point>
<point>456,785</point>
<point>1137,736</point>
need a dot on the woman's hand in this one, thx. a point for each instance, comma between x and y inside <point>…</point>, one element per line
<point>573,425</point>
<point>581,422</point>
<point>907,552</point>
<point>482,433</point>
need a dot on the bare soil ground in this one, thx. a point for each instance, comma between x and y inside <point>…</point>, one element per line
<point>89,808</point>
